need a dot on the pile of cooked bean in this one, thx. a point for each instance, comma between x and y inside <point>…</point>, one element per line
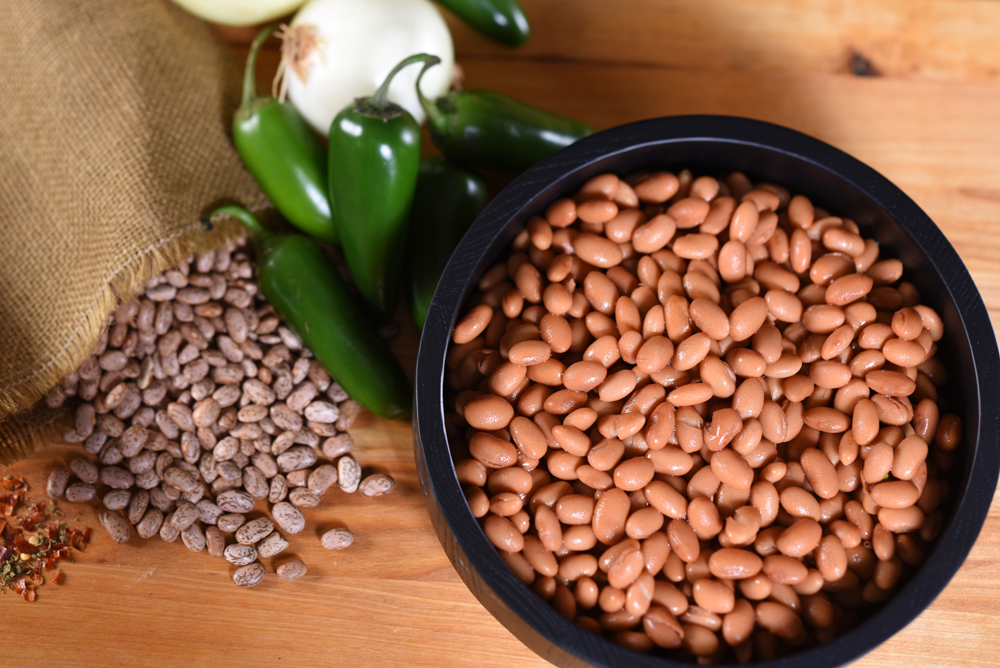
<point>701,417</point>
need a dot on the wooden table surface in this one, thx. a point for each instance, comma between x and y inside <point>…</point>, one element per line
<point>911,87</point>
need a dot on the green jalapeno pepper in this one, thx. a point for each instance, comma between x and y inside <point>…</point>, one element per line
<point>374,157</point>
<point>502,21</point>
<point>284,155</point>
<point>496,132</point>
<point>447,200</point>
<point>305,289</point>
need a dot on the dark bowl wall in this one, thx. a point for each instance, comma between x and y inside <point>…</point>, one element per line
<point>833,180</point>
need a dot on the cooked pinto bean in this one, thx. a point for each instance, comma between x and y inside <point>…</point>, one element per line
<point>723,385</point>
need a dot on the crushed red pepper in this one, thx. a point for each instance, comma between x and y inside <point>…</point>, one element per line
<point>11,492</point>
<point>31,544</point>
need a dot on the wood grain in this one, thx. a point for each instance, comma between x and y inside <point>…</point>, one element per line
<point>915,39</point>
<point>930,124</point>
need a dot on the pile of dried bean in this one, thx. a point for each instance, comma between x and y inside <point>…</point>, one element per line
<point>701,416</point>
<point>197,404</point>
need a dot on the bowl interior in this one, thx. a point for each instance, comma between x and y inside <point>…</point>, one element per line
<point>832,180</point>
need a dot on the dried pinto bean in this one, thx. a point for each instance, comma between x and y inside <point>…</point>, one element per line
<point>291,571</point>
<point>200,385</point>
<point>56,485</point>
<point>348,474</point>
<point>249,575</point>
<point>271,544</point>
<point>116,525</point>
<point>254,530</point>
<point>337,539</point>
<point>376,484</point>
<point>288,517</point>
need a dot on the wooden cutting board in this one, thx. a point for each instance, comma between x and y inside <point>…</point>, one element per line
<point>912,87</point>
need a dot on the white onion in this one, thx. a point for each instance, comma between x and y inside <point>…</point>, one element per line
<point>359,42</point>
<point>240,12</point>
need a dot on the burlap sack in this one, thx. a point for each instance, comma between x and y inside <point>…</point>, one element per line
<point>114,142</point>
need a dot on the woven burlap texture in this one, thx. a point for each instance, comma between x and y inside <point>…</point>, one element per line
<point>114,142</point>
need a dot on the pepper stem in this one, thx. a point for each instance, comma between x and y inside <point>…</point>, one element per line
<point>380,100</point>
<point>250,73</point>
<point>433,113</point>
<point>259,234</point>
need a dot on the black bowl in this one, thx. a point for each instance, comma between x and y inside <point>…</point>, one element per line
<point>832,179</point>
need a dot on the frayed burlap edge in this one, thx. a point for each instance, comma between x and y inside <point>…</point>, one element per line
<point>25,424</point>
<point>31,430</point>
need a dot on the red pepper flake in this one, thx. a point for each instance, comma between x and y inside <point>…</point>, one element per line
<point>25,590</point>
<point>13,489</point>
<point>29,546</point>
<point>23,546</point>
<point>12,484</point>
<point>80,541</point>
